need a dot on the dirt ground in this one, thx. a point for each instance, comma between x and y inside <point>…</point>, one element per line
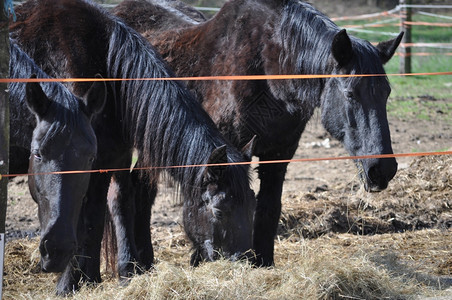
<point>324,203</point>
<point>328,190</point>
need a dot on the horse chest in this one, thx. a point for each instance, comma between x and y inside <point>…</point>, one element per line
<point>275,126</point>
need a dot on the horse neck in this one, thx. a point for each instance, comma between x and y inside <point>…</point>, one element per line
<point>164,121</point>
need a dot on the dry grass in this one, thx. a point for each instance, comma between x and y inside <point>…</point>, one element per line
<point>413,264</point>
<point>419,197</point>
<point>331,267</point>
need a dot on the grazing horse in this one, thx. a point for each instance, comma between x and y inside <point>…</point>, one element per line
<point>159,118</point>
<point>274,37</point>
<point>51,132</point>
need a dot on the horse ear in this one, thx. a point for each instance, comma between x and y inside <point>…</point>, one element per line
<point>342,48</point>
<point>36,99</point>
<point>387,49</point>
<point>218,156</point>
<point>96,96</point>
<point>248,149</point>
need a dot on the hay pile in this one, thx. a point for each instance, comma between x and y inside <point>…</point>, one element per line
<point>400,263</point>
<point>419,197</point>
<point>331,267</point>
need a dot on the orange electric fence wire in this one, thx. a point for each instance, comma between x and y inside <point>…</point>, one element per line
<point>233,77</point>
<point>418,154</point>
<point>245,77</point>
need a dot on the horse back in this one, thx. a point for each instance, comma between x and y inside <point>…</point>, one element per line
<point>144,15</point>
<point>73,31</point>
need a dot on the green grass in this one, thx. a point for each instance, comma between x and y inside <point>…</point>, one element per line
<point>418,108</point>
<point>437,86</point>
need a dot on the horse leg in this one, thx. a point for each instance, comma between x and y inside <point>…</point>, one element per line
<point>144,199</point>
<point>268,208</point>
<point>85,266</point>
<point>121,203</point>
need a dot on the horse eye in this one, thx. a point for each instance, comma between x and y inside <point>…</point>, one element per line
<point>37,155</point>
<point>205,198</point>
<point>218,214</point>
<point>350,95</point>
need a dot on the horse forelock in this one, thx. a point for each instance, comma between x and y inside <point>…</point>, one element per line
<point>367,61</point>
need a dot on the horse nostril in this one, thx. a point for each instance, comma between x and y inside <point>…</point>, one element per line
<point>373,173</point>
<point>43,248</point>
<point>393,170</point>
<point>51,249</point>
<point>383,170</point>
<point>380,175</point>
<point>46,249</point>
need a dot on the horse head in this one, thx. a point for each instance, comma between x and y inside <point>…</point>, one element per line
<point>63,140</point>
<point>354,108</point>
<point>221,224</point>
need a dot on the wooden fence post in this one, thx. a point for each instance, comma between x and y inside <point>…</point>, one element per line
<point>4,129</point>
<point>405,49</point>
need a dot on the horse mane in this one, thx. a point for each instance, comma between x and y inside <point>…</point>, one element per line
<point>66,107</point>
<point>170,128</point>
<point>160,118</point>
<point>313,47</point>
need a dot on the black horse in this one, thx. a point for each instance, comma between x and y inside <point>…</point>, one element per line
<point>273,37</point>
<point>160,119</point>
<point>51,132</point>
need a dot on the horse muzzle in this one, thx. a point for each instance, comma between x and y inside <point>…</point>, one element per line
<point>56,256</point>
<point>375,174</point>
<point>209,253</point>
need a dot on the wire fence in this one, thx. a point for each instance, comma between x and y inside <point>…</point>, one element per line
<point>299,160</point>
<point>380,19</point>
